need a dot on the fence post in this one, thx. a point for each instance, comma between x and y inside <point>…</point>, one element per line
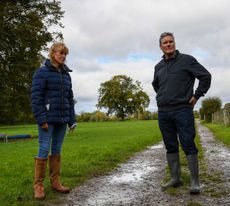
<point>226,117</point>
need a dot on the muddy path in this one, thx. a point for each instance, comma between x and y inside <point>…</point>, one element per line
<point>137,182</point>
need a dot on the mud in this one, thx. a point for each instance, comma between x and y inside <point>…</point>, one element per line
<point>137,182</point>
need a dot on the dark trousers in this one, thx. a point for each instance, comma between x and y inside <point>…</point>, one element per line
<point>178,124</point>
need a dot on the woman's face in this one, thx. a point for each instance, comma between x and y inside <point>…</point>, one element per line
<point>59,56</point>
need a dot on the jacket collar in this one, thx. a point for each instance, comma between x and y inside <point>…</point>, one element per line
<point>174,56</point>
<point>51,66</point>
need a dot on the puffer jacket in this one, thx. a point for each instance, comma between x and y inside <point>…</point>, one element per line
<point>52,95</point>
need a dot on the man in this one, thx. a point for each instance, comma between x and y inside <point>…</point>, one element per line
<point>173,83</point>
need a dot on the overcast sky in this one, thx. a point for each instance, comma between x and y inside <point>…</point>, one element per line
<point>111,37</point>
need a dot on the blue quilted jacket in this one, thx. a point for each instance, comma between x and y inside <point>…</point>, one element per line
<point>52,95</point>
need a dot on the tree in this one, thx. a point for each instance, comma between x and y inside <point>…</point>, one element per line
<point>122,97</point>
<point>98,116</point>
<point>209,106</point>
<point>201,113</point>
<point>146,115</point>
<point>196,114</point>
<point>24,35</point>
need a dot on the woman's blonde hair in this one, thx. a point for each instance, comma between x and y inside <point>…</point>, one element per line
<point>58,46</point>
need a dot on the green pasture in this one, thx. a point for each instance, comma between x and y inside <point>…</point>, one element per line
<point>221,132</point>
<point>93,149</point>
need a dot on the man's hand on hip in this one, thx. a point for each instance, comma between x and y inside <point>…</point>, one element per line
<point>193,101</point>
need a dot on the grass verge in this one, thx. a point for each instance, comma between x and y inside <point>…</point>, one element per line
<point>221,132</point>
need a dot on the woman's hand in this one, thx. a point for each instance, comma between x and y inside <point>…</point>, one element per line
<point>45,126</point>
<point>72,127</point>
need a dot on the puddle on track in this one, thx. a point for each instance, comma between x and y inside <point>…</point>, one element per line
<point>140,169</point>
<point>125,184</point>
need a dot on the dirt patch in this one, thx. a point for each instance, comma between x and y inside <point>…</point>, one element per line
<point>137,182</point>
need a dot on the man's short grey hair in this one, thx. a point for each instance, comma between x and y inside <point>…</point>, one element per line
<point>164,35</point>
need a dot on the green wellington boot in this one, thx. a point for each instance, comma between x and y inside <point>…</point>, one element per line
<point>175,171</point>
<point>194,171</point>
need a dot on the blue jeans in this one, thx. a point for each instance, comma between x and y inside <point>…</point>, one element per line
<point>52,138</point>
<point>178,124</point>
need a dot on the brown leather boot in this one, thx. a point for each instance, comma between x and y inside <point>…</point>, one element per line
<point>39,176</point>
<point>55,166</point>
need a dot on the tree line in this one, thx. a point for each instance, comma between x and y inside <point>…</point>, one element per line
<point>99,116</point>
<point>211,105</point>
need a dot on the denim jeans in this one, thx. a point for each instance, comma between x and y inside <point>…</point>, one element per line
<point>178,124</point>
<point>51,139</point>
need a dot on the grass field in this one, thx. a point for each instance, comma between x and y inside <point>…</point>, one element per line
<point>221,132</point>
<point>93,149</point>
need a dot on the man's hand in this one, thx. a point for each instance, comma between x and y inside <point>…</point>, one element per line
<point>72,127</point>
<point>193,101</point>
<point>45,126</point>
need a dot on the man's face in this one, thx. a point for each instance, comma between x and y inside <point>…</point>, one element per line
<point>168,45</point>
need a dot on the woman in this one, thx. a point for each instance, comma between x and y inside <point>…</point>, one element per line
<point>53,108</point>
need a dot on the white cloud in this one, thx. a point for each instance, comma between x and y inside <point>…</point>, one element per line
<point>103,36</point>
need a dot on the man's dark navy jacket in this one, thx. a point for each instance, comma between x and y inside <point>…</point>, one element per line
<point>174,81</point>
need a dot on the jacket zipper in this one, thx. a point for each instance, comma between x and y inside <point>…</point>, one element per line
<point>62,103</point>
<point>167,68</point>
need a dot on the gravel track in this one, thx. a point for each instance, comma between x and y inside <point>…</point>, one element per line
<point>137,182</point>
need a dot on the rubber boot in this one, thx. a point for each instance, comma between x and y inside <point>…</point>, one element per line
<point>175,171</point>
<point>194,171</point>
<point>55,166</point>
<point>39,176</point>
